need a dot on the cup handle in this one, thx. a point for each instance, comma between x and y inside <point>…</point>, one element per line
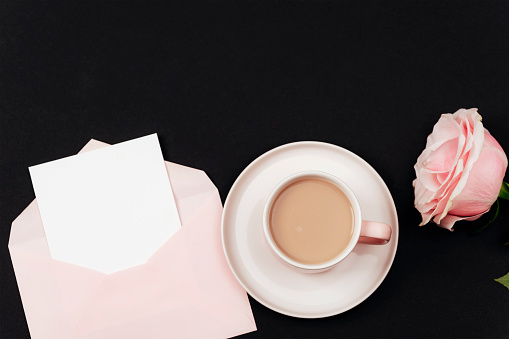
<point>375,233</point>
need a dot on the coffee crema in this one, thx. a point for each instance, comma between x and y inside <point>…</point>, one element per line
<point>311,221</point>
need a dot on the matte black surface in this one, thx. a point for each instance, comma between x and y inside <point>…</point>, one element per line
<point>223,82</point>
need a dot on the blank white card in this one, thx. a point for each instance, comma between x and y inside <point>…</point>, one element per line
<point>108,209</point>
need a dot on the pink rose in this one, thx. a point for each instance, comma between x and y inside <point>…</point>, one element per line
<point>460,172</point>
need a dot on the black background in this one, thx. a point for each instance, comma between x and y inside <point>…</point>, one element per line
<point>223,82</point>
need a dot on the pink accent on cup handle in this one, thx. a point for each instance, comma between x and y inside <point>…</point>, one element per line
<point>375,233</point>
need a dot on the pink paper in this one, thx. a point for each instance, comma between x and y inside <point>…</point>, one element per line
<point>185,290</point>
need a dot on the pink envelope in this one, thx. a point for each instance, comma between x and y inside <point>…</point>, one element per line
<point>185,290</point>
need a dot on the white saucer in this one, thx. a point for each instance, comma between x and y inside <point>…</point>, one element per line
<point>269,280</point>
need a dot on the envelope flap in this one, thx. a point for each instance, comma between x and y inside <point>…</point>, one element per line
<point>27,232</point>
<point>192,189</point>
<point>77,286</point>
<point>92,145</point>
<point>223,293</point>
<point>164,283</point>
<point>40,294</point>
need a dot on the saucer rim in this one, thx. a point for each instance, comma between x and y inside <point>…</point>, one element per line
<point>393,211</point>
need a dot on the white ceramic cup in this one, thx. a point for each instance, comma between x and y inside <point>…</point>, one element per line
<point>365,232</point>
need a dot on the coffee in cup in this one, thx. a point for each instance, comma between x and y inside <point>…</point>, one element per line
<point>312,220</point>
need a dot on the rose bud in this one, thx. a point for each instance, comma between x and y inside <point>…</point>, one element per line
<point>460,172</point>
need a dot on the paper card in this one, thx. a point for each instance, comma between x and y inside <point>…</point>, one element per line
<point>108,209</point>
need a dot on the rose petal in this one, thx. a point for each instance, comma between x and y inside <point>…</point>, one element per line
<point>442,177</point>
<point>442,159</point>
<point>426,217</point>
<point>444,130</point>
<point>490,141</point>
<point>428,180</point>
<point>451,182</point>
<point>421,193</point>
<point>448,221</point>
<point>485,179</point>
<point>476,143</point>
<point>446,184</point>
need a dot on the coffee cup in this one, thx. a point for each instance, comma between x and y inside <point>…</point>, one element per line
<point>312,221</point>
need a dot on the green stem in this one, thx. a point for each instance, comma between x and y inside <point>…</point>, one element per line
<point>504,191</point>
